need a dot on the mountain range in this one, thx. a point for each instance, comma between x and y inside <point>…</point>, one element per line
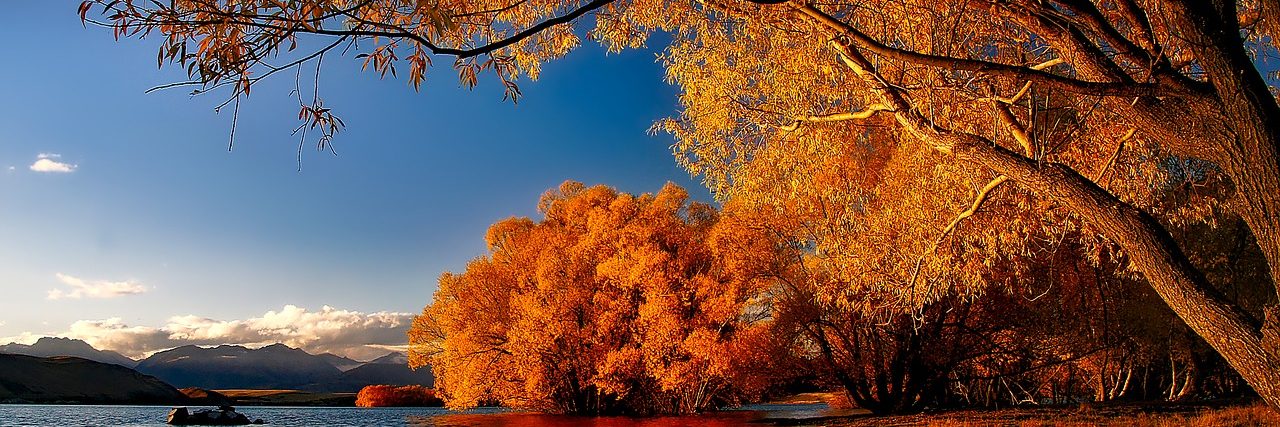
<point>275,366</point>
<point>51,346</point>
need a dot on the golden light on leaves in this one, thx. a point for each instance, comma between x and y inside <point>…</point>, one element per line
<point>611,303</point>
<point>913,151</point>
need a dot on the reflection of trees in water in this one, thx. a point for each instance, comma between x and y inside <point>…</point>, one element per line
<point>722,419</point>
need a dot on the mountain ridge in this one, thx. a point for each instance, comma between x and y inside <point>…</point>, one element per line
<point>232,366</point>
<point>57,346</point>
<point>65,379</point>
<point>278,366</point>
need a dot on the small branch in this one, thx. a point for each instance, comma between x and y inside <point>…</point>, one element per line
<point>489,47</point>
<point>235,117</point>
<point>982,196</point>
<point>1020,132</point>
<point>836,117</point>
<point>1119,146</point>
<point>1046,64</point>
<point>1026,88</point>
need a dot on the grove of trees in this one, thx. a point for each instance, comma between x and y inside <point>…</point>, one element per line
<point>376,396</point>
<point>923,169</point>
<point>614,303</point>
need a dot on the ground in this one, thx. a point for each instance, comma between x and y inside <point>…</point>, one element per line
<point>1208,414</point>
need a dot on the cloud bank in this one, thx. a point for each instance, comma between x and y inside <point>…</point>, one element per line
<point>361,336</point>
<point>81,288</point>
<point>48,163</point>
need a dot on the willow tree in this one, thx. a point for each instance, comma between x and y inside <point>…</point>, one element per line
<point>976,88</point>
<point>610,303</point>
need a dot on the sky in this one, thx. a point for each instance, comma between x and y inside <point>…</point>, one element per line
<point>125,220</point>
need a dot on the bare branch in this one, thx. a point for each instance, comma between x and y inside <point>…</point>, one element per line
<point>978,200</point>
<point>836,117</point>
<point>1119,146</point>
<point>1019,132</point>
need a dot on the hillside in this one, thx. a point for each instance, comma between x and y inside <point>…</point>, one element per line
<point>342,363</point>
<point>51,346</point>
<point>235,367</point>
<point>74,380</point>
<point>377,374</point>
<point>395,358</point>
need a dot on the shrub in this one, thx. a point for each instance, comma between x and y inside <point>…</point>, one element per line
<point>389,395</point>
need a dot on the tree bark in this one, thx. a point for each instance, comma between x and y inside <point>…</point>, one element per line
<point>1230,330</point>
<point>1250,153</point>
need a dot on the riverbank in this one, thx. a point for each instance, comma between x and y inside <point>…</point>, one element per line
<point>1200,414</point>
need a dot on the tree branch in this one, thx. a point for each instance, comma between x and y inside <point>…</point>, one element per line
<point>978,200</point>
<point>978,66</point>
<point>836,117</point>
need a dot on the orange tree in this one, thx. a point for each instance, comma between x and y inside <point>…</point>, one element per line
<point>611,303</point>
<point>374,396</point>
<point>1082,105</point>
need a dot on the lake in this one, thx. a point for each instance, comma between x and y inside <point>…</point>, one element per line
<point>102,415</point>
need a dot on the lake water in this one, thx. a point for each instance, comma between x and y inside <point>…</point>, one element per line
<point>92,415</point>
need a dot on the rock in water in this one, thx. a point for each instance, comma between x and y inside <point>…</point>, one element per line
<point>223,416</point>
<point>178,416</point>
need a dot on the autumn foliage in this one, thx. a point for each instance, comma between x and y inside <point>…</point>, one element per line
<point>611,303</point>
<point>374,396</point>
<point>897,174</point>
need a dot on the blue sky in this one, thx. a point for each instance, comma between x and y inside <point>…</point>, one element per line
<point>156,202</point>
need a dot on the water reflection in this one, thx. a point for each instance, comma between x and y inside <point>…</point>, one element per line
<point>727,419</point>
<point>154,416</point>
<point>752,415</point>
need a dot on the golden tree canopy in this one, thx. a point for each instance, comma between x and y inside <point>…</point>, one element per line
<point>895,110</point>
<point>611,303</point>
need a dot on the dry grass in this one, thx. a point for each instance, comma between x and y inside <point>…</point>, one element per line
<point>254,393</point>
<point>1138,415</point>
<point>288,398</point>
<point>1255,415</point>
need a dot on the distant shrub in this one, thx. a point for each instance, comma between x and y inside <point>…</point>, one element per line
<point>389,395</point>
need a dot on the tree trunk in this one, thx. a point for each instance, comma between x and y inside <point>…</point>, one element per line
<point>1231,331</point>
<point>1250,154</point>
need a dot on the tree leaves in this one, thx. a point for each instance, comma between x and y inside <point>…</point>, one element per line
<point>612,303</point>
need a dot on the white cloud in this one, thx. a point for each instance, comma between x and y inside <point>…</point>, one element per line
<point>46,162</point>
<point>23,338</point>
<point>353,334</point>
<point>81,288</point>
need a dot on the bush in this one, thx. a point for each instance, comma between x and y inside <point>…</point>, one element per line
<point>389,395</point>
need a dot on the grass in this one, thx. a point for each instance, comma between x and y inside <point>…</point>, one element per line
<point>288,398</point>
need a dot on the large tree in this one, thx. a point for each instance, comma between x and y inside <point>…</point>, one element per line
<point>610,303</point>
<point>1085,106</point>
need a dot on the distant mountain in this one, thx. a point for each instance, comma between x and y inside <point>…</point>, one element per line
<point>278,367</point>
<point>275,366</point>
<point>393,357</point>
<point>51,346</point>
<point>64,379</point>
<point>342,363</point>
<point>392,369</point>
